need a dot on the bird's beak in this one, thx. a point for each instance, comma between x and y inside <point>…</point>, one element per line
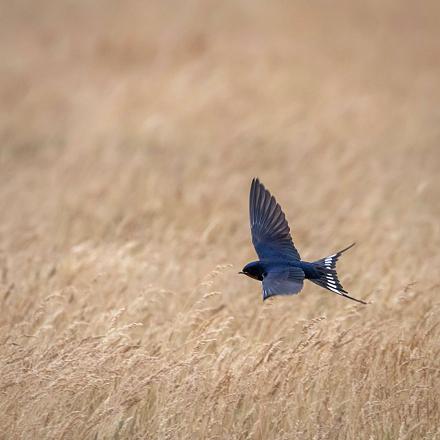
<point>241,272</point>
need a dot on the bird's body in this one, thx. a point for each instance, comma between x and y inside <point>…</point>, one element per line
<point>260,268</point>
<point>280,268</point>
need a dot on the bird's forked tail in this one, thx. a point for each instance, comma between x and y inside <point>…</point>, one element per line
<point>327,276</point>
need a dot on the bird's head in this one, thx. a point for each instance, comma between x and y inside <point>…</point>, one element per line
<point>253,270</point>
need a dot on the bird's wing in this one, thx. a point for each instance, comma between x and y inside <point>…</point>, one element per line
<point>269,227</point>
<point>286,281</point>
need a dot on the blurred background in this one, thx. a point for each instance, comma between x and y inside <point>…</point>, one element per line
<point>129,135</point>
<point>117,114</point>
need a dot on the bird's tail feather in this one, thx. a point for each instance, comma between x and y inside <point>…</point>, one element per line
<point>328,277</point>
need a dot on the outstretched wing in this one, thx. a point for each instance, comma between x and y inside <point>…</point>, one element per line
<point>269,227</point>
<point>286,281</point>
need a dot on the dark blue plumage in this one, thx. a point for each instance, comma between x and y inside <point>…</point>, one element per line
<point>279,266</point>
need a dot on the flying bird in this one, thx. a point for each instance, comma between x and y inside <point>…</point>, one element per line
<point>279,267</point>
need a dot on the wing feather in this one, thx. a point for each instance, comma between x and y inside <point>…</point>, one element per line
<point>285,281</point>
<point>270,230</point>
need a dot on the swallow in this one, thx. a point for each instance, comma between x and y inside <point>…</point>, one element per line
<point>280,268</point>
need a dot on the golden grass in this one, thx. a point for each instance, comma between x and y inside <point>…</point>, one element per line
<point>129,136</point>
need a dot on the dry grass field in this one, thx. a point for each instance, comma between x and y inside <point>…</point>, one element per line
<point>129,135</point>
